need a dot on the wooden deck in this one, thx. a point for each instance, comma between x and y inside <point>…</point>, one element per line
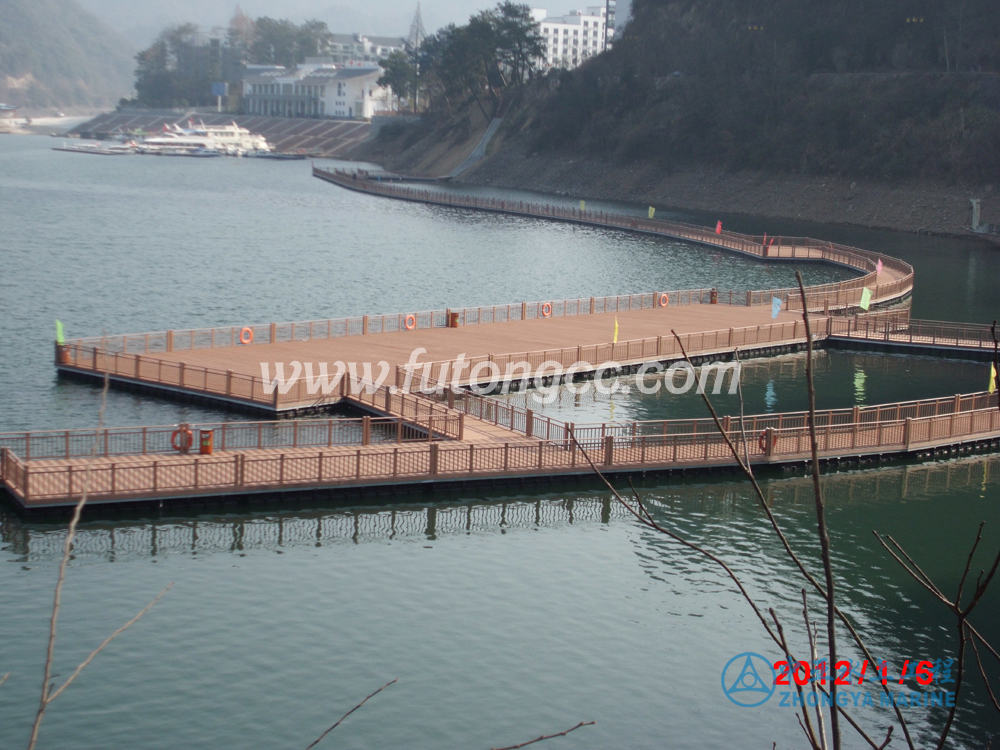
<point>773,439</point>
<point>447,433</point>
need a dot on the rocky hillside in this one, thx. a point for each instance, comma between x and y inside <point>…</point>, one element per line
<point>53,53</point>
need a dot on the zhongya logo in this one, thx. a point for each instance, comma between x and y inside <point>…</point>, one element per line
<point>748,679</point>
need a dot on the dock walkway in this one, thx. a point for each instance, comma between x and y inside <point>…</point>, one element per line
<point>445,433</point>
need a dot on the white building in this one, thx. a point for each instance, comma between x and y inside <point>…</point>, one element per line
<point>571,39</point>
<point>317,88</point>
<point>355,48</point>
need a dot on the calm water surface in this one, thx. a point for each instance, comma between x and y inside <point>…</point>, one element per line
<point>503,616</point>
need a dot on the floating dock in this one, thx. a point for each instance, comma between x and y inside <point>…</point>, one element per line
<point>427,425</point>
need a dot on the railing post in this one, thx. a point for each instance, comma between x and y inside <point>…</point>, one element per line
<point>366,430</point>
<point>769,440</point>
<point>461,426</point>
<point>274,333</point>
<point>609,450</point>
<point>907,432</point>
<point>433,470</point>
<point>364,325</point>
<point>529,422</point>
<point>170,341</point>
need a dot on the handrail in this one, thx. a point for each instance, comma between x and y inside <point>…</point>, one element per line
<point>243,472</point>
<point>835,295</point>
<point>229,436</point>
<point>641,350</point>
<point>845,293</point>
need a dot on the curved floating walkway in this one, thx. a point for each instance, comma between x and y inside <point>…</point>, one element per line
<point>453,435</point>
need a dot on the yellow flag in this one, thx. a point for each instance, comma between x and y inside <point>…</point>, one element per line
<point>615,341</point>
<point>652,212</point>
<point>583,205</point>
<point>993,379</point>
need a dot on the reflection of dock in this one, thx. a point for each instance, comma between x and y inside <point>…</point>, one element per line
<point>145,539</point>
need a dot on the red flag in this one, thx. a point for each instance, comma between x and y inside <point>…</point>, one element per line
<point>718,227</point>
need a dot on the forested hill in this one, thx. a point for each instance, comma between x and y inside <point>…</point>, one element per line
<point>53,53</point>
<point>889,90</point>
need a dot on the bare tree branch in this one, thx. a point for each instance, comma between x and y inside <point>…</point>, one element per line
<point>968,564</point>
<point>813,656</point>
<point>4,678</point>
<point>986,680</point>
<point>48,693</point>
<point>824,535</point>
<point>856,637</point>
<point>548,736</point>
<point>341,719</point>
<point>783,643</point>
<point>99,649</point>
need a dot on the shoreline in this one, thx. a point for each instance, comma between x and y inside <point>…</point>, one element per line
<point>923,207</point>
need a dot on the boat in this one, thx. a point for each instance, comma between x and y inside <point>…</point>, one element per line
<point>113,149</point>
<point>205,140</point>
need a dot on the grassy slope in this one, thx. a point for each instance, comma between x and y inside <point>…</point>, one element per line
<point>53,53</point>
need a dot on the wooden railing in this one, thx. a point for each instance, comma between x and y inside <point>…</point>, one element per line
<point>484,368</point>
<point>837,295</point>
<point>228,436</point>
<point>920,332</point>
<point>244,472</point>
<point>428,376</point>
<point>247,388</point>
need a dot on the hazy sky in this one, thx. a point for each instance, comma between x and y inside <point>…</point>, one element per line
<point>141,22</point>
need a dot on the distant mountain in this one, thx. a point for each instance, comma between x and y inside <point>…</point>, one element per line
<point>53,53</point>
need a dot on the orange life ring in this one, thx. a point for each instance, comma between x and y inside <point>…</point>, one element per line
<point>187,440</point>
<point>546,309</point>
<point>664,299</point>
<point>410,322</point>
<point>246,336</point>
<point>762,441</point>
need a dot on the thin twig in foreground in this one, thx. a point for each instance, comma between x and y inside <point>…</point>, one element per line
<point>547,736</point>
<point>982,671</point>
<point>821,527</point>
<point>63,564</point>
<point>48,694</point>
<point>4,678</point>
<point>99,649</point>
<point>341,719</point>
<point>788,549</point>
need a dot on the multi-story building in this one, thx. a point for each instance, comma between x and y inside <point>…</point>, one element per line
<point>575,37</point>
<point>317,88</point>
<point>355,48</point>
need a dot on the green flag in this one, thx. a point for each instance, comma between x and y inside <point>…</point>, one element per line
<point>60,338</point>
<point>583,205</point>
<point>866,298</point>
<point>652,212</point>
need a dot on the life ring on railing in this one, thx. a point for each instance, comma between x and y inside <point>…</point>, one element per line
<point>246,336</point>
<point>410,322</point>
<point>546,309</point>
<point>664,299</point>
<point>186,440</point>
<point>762,441</point>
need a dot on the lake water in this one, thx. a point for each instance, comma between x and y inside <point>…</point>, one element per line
<point>504,616</point>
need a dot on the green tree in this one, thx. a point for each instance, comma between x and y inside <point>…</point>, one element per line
<point>400,75</point>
